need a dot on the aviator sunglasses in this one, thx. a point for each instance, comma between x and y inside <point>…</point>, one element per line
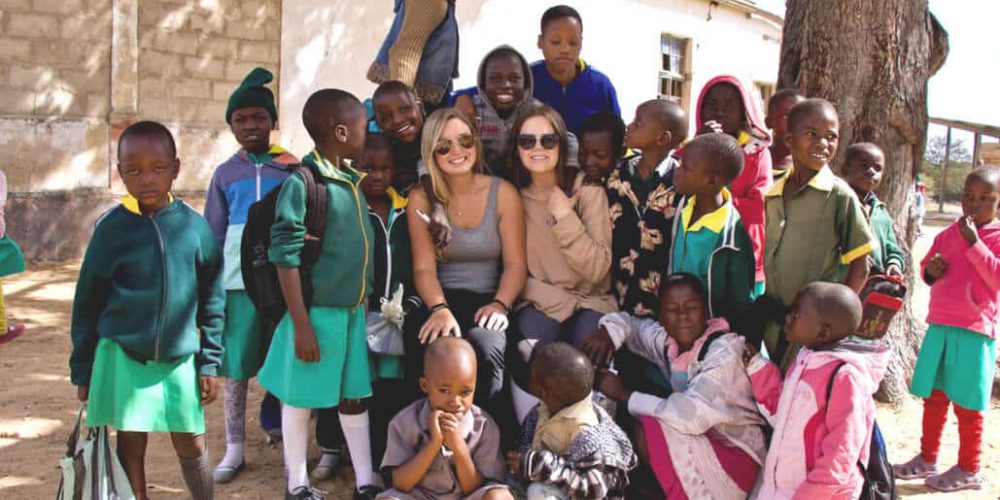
<point>528,141</point>
<point>465,141</point>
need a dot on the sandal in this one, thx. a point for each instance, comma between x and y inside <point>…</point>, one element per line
<point>916,468</point>
<point>955,479</point>
<point>12,333</point>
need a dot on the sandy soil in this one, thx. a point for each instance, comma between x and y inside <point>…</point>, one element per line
<point>38,406</point>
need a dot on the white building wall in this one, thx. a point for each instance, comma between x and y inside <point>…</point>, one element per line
<point>328,43</point>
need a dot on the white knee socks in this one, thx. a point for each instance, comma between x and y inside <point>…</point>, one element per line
<point>295,441</point>
<point>356,433</point>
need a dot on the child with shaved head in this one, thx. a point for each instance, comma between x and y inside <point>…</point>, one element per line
<point>571,447</point>
<point>321,340</point>
<point>443,446</point>
<point>822,412</point>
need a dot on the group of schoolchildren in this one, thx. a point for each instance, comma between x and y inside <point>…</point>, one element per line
<point>728,265</point>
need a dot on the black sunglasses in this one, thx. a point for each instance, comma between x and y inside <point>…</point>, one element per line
<point>465,141</point>
<point>528,141</point>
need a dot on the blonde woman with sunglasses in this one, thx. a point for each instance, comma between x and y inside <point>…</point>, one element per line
<point>469,286</point>
<point>569,259</point>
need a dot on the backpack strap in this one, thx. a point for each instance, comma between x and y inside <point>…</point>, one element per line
<point>829,390</point>
<point>704,347</point>
<point>315,218</point>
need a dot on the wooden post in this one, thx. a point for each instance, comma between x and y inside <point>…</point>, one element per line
<point>977,143</point>
<point>944,170</point>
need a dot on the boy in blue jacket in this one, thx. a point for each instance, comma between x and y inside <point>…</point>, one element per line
<point>147,314</point>
<point>245,178</point>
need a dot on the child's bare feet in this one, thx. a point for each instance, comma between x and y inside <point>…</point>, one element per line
<point>955,479</point>
<point>916,468</point>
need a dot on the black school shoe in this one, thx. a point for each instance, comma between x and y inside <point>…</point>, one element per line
<point>367,492</point>
<point>304,493</point>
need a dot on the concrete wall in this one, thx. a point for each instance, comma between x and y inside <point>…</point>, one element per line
<point>74,73</point>
<point>331,44</point>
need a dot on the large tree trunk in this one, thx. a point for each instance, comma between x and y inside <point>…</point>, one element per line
<point>872,59</point>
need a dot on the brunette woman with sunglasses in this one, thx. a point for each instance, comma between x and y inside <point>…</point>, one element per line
<point>469,285</point>
<point>569,258</point>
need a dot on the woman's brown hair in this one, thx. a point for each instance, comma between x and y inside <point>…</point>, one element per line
<point>521,177</point>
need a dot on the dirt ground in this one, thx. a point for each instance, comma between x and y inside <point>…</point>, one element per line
<point>38,406</point>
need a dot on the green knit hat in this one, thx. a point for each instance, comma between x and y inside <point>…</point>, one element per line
<point>253,94</point>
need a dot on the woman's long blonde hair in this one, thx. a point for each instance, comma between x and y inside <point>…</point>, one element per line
<point>433,127</point>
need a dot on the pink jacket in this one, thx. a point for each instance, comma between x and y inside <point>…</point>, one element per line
<point>966,295</point>
<point>817,443</point>
<point>748,189</point>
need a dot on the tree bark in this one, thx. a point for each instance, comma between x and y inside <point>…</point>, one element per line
<point>872,60</point>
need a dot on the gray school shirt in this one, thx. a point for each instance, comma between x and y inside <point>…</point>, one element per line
<point>408,433</point>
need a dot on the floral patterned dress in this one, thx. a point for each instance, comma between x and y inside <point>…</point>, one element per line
<point>641,229</point>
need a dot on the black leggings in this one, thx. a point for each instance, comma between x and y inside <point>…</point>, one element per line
<point>490,345</point>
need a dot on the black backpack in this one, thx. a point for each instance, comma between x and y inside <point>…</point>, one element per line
<point>880,480</point>
<point>260,277</point>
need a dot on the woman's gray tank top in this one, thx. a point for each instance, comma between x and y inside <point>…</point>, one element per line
<point>472,258</point>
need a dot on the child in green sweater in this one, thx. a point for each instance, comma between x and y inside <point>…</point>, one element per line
<point>863,171</point>
<point>147,315</point>
<point>319,355</point>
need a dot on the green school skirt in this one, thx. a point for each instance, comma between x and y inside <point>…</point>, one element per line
<point>384,366</point>
<point>958,362</point>
<point>342,371</point>
<point>144,397</point>
<point>11,258</point>
<point>244,337</point>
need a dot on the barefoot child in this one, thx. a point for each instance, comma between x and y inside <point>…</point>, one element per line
<point>602,146</point>
<point>816,228</point>
<point>709,240</point>
<point>701,442</point>
<point>823,412</point>
<point>863,171</point>
<point>443,446</point>
<point>322,344</point>
<point>246,177</point>
<point>571,447</point>
<point>958,355</point>
<point>148,313</point>
<point>641,197</point>
<point>777,121</point>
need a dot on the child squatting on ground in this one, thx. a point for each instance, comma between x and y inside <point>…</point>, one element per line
<point>324,345</point>
<point>822,427</point>
<point>704,439</point>
<point>443,447</point>
<point>571,447</point>
<point>958,356</point>
<point>147,315</point>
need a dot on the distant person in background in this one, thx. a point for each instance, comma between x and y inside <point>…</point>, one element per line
<point>777,121</point>
<point>920,204</point>
<point>11,262</point>
<point>420,50</point>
